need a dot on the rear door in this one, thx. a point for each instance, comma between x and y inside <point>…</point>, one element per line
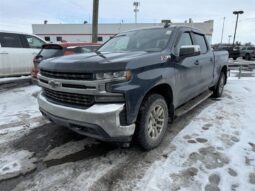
<point>33,46</point>
<point>11,54</point>
<point>187,72</point>
<point>205,61</point>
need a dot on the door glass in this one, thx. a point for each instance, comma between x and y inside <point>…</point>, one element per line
<point>10,40</point>
<point>34,42</point>
<point>185,40</point>
<point>200,40</point>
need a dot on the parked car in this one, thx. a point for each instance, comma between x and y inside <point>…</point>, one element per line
<point>248,53</point>
<point>61,49</point>
<point>233,51</point>
<point>133,85</point>
<point>17,51</point>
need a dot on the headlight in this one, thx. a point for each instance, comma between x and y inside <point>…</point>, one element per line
<point>122,75</point>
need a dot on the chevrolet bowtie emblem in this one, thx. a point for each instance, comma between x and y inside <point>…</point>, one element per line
<point>54,84</point>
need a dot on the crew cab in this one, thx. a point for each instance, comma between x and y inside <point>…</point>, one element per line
<point>133,85</point>
<point>60,49</point>
<point>17,51</point>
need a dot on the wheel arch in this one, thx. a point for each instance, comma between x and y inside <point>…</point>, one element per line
<point>166,91</point>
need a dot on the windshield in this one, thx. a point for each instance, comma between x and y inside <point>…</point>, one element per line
<point>149,40</point>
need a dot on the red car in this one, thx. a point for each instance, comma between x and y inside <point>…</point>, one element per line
<point>62,49</point>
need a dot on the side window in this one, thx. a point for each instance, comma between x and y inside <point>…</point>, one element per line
<point>10,40</point>
<point>59,38</point>
<point>100,38</point>
<point>34,42</point>
<point>184,40</point>
<point>47,38</point>
<point>200,40</point>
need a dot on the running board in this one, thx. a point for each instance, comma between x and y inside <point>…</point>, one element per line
<point>192,103</point>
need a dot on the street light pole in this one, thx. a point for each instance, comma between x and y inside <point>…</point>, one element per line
<point>222,30</point>
<point>136,4</point>
<point>237,17</point>
<point>229,38</point>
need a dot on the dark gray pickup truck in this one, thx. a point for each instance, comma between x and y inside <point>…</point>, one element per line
<point>133,85</point>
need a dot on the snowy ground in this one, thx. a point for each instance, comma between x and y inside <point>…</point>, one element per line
<point>210,148</point>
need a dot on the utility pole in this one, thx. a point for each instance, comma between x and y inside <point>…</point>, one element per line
<point>237,17</point>
<point>95,20</point>
<point>222,29</point>
<point>136,4</point>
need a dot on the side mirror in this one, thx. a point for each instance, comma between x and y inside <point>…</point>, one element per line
<point>191,50</point>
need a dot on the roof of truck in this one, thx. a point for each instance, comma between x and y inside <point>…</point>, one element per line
<point>165,27</point>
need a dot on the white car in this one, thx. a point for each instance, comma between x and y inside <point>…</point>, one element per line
<point>17,51</point>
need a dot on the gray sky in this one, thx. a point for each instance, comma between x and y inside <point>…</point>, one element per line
<point>18,15</point>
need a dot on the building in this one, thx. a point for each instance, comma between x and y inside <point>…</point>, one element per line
<point>83,32</point>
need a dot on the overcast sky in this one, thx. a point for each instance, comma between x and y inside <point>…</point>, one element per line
<point>18,15</point>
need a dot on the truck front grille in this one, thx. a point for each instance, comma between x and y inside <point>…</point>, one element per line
<point>69,98</point>
<point>66,75</point>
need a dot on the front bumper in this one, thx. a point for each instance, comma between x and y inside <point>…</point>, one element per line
<point>101,121</point>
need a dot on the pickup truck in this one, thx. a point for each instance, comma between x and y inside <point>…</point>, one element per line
<point>17,51</point>
<point>248,53</point>
<point>133,85</point>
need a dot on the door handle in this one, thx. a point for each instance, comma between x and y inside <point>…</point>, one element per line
<point>197,62</point>
<point>3,52</point>
<point>211,59</point>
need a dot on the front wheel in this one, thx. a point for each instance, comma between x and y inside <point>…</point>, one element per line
<point>152,122</point>
<point>220,85</point>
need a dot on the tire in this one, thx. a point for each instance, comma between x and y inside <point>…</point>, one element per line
<point>247,57</point>
<point>152,122</point>
<point>218,90</point>
<point>234,58</point>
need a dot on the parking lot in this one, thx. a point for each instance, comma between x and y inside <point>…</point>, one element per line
<point>210,148</point>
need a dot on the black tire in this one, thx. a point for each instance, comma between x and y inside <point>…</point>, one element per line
<point>147,127</point>
<point>234,58</point>
<point>247,57</point>
<point>218,90</point>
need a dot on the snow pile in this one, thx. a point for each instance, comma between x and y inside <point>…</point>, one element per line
<point>16,163</point>
<point>14,79</point>
<point>215,151</point>
<point>19,105</point>
<point>19,112</point>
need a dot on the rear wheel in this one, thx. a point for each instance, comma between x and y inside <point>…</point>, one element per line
<point>152,122</point>
<point>218,90</point>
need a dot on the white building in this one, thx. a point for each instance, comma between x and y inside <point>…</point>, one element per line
<point>83,32</point>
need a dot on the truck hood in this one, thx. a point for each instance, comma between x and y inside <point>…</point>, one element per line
<point>91,62</point>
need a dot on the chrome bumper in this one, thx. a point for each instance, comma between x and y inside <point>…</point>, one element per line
<point>105,116</point>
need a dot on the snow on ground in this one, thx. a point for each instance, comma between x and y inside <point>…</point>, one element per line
<point>16,163</point>
<point>19,112</point>
<point>216,151</point>
<point>69,149</point>
<point>12,79</point>
<point>73,176</point>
